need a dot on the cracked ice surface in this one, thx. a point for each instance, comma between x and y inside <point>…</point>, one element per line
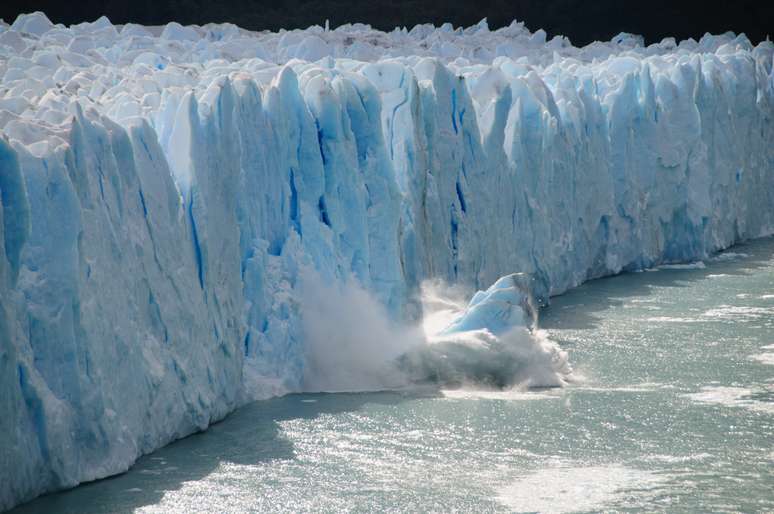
<point>165,189</point>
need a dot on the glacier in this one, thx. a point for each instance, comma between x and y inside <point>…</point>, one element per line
<point>168,195</point>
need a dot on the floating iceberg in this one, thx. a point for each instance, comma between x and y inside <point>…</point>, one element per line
<point>164,190</point>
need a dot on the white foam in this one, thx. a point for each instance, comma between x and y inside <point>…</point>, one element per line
<point>672,319</point>
<point>764,358</point>
<point>729,256</point>
<point>678,459</point>
<point>733,397</point>
<point>687,266</point>
<point>739,312</point>
<point>581,488</point>
<point>645,387</point>
<point>507,395</point>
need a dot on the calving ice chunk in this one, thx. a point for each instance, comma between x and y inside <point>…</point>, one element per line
<point>493,342</point>
<point>352,344</point>
<point>507,304</point>
<point>164,192</point>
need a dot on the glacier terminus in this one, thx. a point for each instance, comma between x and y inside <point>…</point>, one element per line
<point>195,217</point>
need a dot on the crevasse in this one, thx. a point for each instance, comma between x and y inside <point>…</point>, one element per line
<point>164,191</point>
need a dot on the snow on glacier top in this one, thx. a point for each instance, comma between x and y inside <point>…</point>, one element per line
<point>103,43</point>
<point>105,65</point>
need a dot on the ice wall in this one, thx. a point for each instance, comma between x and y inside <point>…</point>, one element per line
<point>165,191</point>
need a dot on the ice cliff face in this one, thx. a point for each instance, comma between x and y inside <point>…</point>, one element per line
<point>164,191</point>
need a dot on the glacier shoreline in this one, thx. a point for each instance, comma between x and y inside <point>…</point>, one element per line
<point>163,189</point>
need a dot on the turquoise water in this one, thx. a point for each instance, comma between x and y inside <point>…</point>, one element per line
<point>673,411</point>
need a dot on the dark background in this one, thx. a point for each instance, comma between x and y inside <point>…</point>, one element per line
<point>582,21</point>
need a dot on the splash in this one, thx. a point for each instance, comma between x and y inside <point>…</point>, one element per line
<point>351,344</point>
<point>490,343</point>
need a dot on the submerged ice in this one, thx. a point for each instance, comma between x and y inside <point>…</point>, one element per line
<point>193,217</point>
